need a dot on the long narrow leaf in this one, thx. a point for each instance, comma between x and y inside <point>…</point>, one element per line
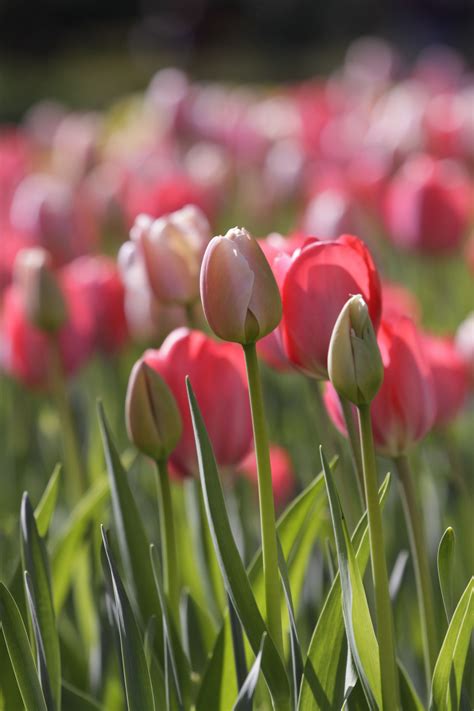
<point>445,570</point>
<point>135,670</point>
<point>133,542</point>
<point>245,698</point>
<point>322,688</point>
<point>295,646</point>
<point>357,620</point>
<point>451,660</point>
<point>46,505</point>
<point>236,580</point>
<point>19,652</point>
<point>35,562</point>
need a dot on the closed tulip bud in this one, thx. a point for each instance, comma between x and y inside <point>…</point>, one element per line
<point>239,294</point>
<point>42,297</point>
<point>152,416</point>
<point>354,361</point>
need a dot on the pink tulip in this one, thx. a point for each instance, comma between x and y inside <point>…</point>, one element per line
<point>450,376</point>
<point>397,300</point>
<point>464,341</point>
<point>217,374</point>
<point>283,476</point>
<point>317,284</point>
<point>26,350</point>
<point>404,409</point>
<point>428,205</point>
<point>97,282</point>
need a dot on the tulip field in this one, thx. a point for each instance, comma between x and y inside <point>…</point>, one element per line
<point>237,394</point>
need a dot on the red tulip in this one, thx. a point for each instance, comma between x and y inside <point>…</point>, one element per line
<point>283,476</point>
<point>428,205</point>
<point>450,376</point>
<point>217,374</point>
<point>404,408</point>
<point>465,343</point>
<point>26,350</point>
<point>96,281</point>
<point>318,283</point>
<point>397,300</point>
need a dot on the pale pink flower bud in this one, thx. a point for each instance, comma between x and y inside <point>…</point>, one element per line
<point>42,297</point>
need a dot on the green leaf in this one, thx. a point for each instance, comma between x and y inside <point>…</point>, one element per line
<point>132,539</point>
<point>36,564</point>
<point>409,699</point>
<point>42,664</point>
<point>76,700</point>
<point>297,529</point>
<point>322,688</point>
<point>138,686</point>
<point>64,547</point>
<point>445,570</point>
<point>233,571</point>
<point>238,644</point>
<point>9,691</point>
<point>357,621</point>
<point>181,671</point>
<point>245,698</point>
<point>295,646</point>
<point>47,504</point>
<point>19,652</point>
<point>192,622</point>
<point>449,668</point>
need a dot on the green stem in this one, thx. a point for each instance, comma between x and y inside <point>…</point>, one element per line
<point>419,554</point>
<point>354,447</point>
<point>76,482</point>
<point>168,540</point>
<point>265,495</point>
<point>388,668</point>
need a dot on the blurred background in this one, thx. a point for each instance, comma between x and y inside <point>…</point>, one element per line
<point>88,53</point>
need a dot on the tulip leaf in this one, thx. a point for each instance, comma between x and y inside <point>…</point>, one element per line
<point>20,654</point>
<point>66,544</point>
<point>181,671</point>
<point>325,667</point>
<point>409,699</point>
<point>76,700</point>
<point>233,571</point>
<point>397,574</point>
<point>42,664</point>
<point>449,668</point>
<point>245,698</point>
<point>357,621</point>
<point>9,691</point>
<point>136,676</point>
<point>194,638</point>
<point>36,564</point>
<point>131,534</point>
<point>238,644</point>
<point>47,504</point>
<point>445,570</point>
<point>297,528</point>
<point>295,646</point>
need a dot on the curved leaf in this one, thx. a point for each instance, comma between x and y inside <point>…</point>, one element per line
<point>46,505</point>
<point>445,570</point>
<point>19,652</point>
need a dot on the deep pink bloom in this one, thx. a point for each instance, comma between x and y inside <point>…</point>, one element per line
<point>450,376</point>
<point>428,205</point>
<point>26,350</point>
<point>96,280</point>
<point>404,409</point>
<point>283,476</point>
<point>317,284</point>
<point>15,163</point>
<point>217,374</point>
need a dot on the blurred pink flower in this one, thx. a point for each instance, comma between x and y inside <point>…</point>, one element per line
<point>283,476</point>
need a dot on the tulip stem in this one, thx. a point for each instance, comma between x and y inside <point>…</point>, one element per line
<point>388,668</point>
<point>168,539</point>
<point>72,459</point>
<point>419,554</point>
<point>266,502</point>
<point>354,447</point>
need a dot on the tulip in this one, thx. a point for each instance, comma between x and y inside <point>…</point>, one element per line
<point>97,281</point>
<point>428,205</point>
<point>27,349</point>
<point>43,301</point>
<point>450,377</point>
<point>283,476</point>
<point>403,410</point>
<point>316,286</point>
<point>397,301</point>
<point>354,362</point>
<point>239,293</point>
<point>152,415</point>
<point>464,341</point>
<point>172,248</point>
<point>217,373</point>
